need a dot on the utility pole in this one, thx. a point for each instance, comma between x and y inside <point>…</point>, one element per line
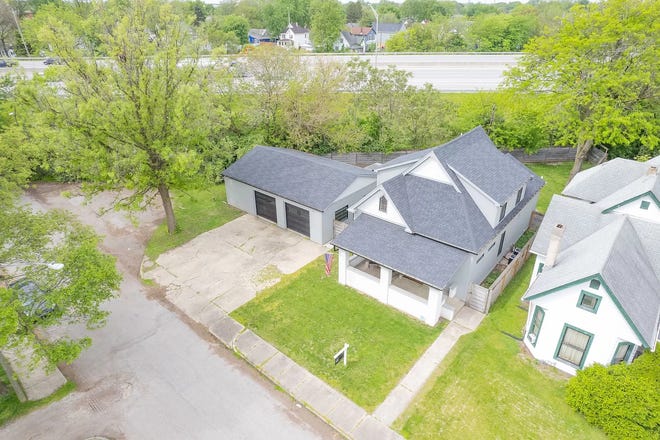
<point>20,32</point>
<point>377,45</point>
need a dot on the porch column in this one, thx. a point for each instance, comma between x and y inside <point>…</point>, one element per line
<point>385,281</point>
<point>434,305</point>
<point>341,266</point>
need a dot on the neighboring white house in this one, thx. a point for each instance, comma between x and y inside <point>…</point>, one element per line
<point>296,37</point>
<point>305,193</point>
<point>439,220</point>
<point>594,295</point>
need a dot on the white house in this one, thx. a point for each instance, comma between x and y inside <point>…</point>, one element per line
<point>305,193</point>
<point>296,37</point>
<point>438,220</point>
<point>594,296</point>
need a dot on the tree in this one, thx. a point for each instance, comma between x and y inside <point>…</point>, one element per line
<point>7,26</point>
<point>353,11</point>
<point>600,68</point>
<point>420,10</point>
<point>140,121</point>
<point>277,14</point>
<point>72,278</point>
<point>328,19</point>
<point>620,399</point>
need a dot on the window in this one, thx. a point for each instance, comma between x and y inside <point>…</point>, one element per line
<point>645,205</point>
<point>519,196</point>
<point>382,204</point>
<point>573,346</point>
<point>499,250</point>
<point>481,257</point>
<point>535,326</point>
<point>594,284</point>
<point>622,352</point>
<point>341,214</point>
<point>540,269</point>
<point>588,301</point>
<point>503,212</point>
<point>492,245</point>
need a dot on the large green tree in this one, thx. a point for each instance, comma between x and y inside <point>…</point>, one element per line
<point>140,120</point>
<point>600,67</point>
<point>328,18</point>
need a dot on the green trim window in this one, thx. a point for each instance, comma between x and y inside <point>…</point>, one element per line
<point>535,325</point>
<point>622,352</point>
<point>573,346</point>
<point>589,301</point>
<point>644,205</point>
<point>540,269</point>
<point>594,284</point>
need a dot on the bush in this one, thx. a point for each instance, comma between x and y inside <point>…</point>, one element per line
<point>620,399</point>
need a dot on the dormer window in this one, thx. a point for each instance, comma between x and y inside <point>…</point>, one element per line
<point>503,212</point>
<point>382,204</point>
<point>520,195</point>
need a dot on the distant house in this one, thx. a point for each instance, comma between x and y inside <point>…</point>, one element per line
<point>438,220</point>
<point>384,31</point>
<point>356,38</point>
<point>594,295</point>
<point>305,193</point>
<point>295,36</point>
<point>258,36</point>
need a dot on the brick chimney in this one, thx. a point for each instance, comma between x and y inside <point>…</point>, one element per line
<point>553,245</point>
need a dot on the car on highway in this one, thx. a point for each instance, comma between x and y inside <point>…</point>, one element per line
<point>48,61</point>
<point>8,62</point>
<point>35,305</point>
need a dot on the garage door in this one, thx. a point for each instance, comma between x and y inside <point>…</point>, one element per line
<point>297,219</point>
<point>266,207</point>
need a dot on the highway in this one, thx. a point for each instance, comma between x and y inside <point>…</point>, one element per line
<point>445,72</point>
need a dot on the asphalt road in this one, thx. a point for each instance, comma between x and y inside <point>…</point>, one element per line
<point>445,72</point>
<point>150,374</point>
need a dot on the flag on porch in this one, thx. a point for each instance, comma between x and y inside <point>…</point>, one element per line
<point>328,263</point>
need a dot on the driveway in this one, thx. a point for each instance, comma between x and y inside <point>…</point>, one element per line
<point>223,269</point>
<point>151,373</point>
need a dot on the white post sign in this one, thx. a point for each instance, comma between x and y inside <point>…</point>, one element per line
<point>342,354</point>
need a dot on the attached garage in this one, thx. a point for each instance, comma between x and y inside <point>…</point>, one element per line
<point>296,190</point>
<point>266,206</point>
<point>297,219</point>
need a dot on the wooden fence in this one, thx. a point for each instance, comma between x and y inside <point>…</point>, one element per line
<point>544,155</point>
<point>482,298</point>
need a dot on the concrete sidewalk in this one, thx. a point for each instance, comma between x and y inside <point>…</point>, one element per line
<point>466,321</point>
<point>329,404</point>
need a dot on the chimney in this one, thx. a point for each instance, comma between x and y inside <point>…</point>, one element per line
<point>652,171</point>
<point>553,246</point>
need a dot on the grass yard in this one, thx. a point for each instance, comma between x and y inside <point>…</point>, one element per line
<point>555,176</point>
<point>309,317</point>
<point>197,211</point>
<point>487,388</point>
<point>11,407</point>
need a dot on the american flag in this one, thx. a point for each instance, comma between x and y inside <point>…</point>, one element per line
<point>328,263</point>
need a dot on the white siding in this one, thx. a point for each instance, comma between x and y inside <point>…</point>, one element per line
<point>608,326</point>
<point>633,209</point>
<point>371,205</point>
<point>430,168</point>
<point>486,205</point>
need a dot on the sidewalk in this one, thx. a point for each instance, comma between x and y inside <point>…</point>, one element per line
<point>466,321</point>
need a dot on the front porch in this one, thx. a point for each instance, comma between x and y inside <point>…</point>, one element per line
<point>395,289</point>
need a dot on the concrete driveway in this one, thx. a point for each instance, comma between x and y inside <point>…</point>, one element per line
<point>223,269</point>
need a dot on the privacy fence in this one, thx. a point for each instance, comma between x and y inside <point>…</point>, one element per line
<point>544,155</point>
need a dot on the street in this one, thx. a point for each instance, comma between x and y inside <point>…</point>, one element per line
<point>445,72</point>
<point>150,373</point>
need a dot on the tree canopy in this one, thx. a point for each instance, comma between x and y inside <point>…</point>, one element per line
<point>328,18</point>
<point>600,67</point>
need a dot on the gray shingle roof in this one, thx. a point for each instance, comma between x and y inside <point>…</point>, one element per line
<point>615,252</point>
<point>648,183</point>
<point>389,28</point>
<point>307,179</point>
<point>390,245</point>
<point>474,156</point>
<point>603,180</point>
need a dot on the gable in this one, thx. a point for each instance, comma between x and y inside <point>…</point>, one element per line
<point>646,206</point>
<point>371,205</point>
<point>578,285</point>
<point>431,168</point>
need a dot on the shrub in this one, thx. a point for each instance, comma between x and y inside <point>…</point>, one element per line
<point>620,399</point>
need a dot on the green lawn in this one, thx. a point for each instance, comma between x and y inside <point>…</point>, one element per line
<point>309,317</point>
<point>555,176</point>
<point>197,211</point>
<point>11,407</point>
<point>487,388</point>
